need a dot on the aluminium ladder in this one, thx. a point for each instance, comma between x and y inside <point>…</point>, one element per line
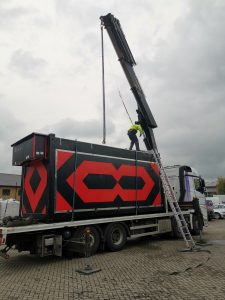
<point>172,200</point>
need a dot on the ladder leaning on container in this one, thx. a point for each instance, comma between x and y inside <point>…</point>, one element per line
<point>173,203</point>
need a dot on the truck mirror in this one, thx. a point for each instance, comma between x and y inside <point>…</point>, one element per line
<point>203,183</point>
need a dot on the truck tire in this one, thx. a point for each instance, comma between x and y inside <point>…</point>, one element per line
<point>175,230</point>
<point>68,254</point>
<point>116,237</point>
<point>94,236</point>
<point>196,228</point>
<point>217,216</point>
<point>210,218</point>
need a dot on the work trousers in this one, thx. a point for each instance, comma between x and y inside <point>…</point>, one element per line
<point>134,140</point>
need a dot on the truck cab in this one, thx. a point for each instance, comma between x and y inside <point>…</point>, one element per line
<point>188,185</point>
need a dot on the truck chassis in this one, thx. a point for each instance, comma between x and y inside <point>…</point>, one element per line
<point>64,238</point>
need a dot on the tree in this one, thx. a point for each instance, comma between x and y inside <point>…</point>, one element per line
<point>220,186</point>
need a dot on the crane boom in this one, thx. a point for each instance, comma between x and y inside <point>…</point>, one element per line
<point>126,59</point>
<point>145,118</point>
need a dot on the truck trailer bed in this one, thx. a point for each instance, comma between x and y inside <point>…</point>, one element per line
<point>39,227</point>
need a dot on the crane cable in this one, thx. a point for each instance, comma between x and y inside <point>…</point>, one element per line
<point>103,91</point>
<point>103,88</point>
<point>125,108</point>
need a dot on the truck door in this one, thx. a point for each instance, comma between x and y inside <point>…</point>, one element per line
<point>196,191</point>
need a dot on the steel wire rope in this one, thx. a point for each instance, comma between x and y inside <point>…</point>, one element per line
<point>103,86</point>
<point>124,105</point>
<point>112,79</point>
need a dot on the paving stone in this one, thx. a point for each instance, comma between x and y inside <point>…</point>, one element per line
<point>149,268</point>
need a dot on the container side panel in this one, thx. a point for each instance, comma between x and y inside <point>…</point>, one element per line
<point>86,182</point>
<point>35,194</point>
<point>22,152</point>
<point>32,147</point>
<point>65,165</point>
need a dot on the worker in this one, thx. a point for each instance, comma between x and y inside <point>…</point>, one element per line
<point>132,135</point>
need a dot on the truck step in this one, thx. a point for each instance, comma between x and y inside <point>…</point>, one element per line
<point>143,234</point>
<point>143,226</point>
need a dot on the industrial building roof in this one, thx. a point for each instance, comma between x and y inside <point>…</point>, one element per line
<point>10,179</point>
<point>211,182</point>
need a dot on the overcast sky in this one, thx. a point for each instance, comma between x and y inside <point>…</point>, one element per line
<point>50,75</point>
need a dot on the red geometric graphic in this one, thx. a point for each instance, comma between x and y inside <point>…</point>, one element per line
<point>109,195</point>
<point>157,201</point>
<point>155,168</point>
<point>61,203</point>
<point>35,197</point>
<point>62,157</point>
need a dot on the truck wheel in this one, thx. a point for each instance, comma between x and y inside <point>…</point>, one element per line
<point>116,237</point>
<point>68,254</point>
<point>79,235</point>
<point>217,216</point>
<point>196,229</point>
<point>175,230</point>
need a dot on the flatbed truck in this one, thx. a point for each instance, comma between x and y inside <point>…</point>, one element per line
<point>71,187</point>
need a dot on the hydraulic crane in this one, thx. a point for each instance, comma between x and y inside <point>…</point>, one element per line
<point>126,59</point>
<point>145,117</point>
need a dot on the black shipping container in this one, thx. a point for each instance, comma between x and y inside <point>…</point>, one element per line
<point>77,180</point>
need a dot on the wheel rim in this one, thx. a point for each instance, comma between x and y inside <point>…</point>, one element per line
<point>117,236</point>
<point>92,239</point>
<point>217,216</point>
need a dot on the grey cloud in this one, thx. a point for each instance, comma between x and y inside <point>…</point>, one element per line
<point>8,122</point>
<point>80,19</point>
<point>195,57</point>
<point>9,16</point>
<point>27,65</point>
<point>10,131</point>
<point>188,75</point>
<point>72,8</point>
<point>184,83</point>
<point>42,21</point>
<point>182,75</point>
<point>90,131</point>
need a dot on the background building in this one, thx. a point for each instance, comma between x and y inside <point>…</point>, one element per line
<point>10,186</point>
<point>210,185</point>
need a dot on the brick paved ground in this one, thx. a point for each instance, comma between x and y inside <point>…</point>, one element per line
<point>151,268</point>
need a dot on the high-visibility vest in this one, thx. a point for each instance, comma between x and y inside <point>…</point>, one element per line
<point>136,128</point>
